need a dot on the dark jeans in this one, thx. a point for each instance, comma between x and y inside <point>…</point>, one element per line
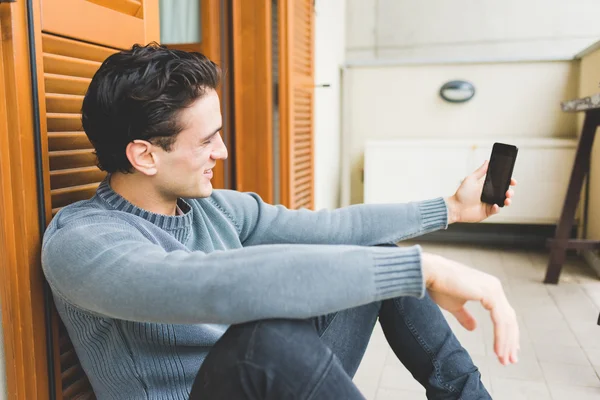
<point>317,358</point>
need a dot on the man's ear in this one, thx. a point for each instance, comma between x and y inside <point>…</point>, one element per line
<point>141,156</point>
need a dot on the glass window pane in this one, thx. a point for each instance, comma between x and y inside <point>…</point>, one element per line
<point>180,21</point>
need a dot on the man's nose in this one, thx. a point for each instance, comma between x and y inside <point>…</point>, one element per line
<point>220,152</point>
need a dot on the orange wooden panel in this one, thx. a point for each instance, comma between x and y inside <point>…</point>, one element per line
<point>296,71</point>
<point>91,22</point>
<point>21,278</point>
<point>253,97</point>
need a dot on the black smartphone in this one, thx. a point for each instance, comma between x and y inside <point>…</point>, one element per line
<point>499,173</point>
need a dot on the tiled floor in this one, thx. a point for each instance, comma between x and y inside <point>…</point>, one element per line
<point>560,341</point>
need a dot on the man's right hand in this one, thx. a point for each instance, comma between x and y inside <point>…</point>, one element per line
<point>451,285</point>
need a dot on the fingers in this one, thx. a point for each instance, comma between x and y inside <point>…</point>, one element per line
<point>481,171</point>
<point>493,209</point>
<point>506,335</point>
<point>500,340</point>
<point>514,354</point>
<point>509,194</point>
<point>465,318</point>
<point>513,182</point>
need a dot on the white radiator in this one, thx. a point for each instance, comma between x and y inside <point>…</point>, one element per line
<point>409,170</point>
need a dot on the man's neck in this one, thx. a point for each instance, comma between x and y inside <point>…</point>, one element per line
<point>139,191</point>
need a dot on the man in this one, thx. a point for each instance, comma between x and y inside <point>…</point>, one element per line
<point>164,284</point>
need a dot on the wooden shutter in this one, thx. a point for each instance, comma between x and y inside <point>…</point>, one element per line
<point>68,66</point>
<point>297,102</point>
<point>76,37</point>
<point>113,23</point>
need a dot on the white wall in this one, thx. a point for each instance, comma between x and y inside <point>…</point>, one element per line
<point>470,29</point>
<point>3,395</point>
<point>329,58</point>
<point>511,100</point>
<point>590,76</point>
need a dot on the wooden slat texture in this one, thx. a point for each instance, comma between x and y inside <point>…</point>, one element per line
<point>66,84</point>
<point>75,176</point>
<point>68,66</point>
<point>66,159</point>
<point>129,7</point>
<point>62,65</point>
<point>65,196</point>
<point>58,122</point>
<point>75,49</point>
<point>110,23</point>
<point>63,103</point>
<point>297,102</point>
<point>58,141</point>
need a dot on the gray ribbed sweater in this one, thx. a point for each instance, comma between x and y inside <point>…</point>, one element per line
<point>145,296</point>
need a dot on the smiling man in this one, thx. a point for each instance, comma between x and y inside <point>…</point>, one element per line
<point>172,290</point>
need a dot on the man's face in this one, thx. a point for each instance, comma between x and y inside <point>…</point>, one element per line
<point>186,170</point>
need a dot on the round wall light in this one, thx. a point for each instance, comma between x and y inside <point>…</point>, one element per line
<point>457,91</point>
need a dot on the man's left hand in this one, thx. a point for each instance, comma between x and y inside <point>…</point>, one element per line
<point>466,206</point>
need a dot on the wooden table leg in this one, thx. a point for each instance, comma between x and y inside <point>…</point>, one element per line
<point>580,170</point>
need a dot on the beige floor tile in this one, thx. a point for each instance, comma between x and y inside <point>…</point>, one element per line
<point>528,368</point>
<point>568,392</point>
<point>587,334</point>
<point>593,355</point>
<point>561,335</point>
<point>387,394</point>
<point>560,339</point>
<point>556,353</point>
<point>369,372</point>
<point>395,376</point>
<point>514,389</point>
<point>592,290</point>
<point>569,374</point>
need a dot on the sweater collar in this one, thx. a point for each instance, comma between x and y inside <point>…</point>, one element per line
<point>166,222</point>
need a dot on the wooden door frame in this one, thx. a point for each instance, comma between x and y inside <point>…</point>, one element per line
<point>253,96</point>
<point>21,279</point>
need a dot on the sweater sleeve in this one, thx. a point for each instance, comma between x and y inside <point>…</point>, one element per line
<point>363,225</point>
<point>110,268</point>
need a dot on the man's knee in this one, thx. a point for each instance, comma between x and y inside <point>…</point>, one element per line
<point>279,355</point>
<point>270,343</point>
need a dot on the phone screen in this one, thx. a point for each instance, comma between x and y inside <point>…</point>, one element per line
<point>499,172</point>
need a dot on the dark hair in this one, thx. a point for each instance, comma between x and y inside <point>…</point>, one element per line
<point>138,94</point>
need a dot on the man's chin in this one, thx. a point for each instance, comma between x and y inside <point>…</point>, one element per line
<point>205,192</point>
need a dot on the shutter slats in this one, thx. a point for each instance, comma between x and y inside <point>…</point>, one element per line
<point>67,159</point>
<point>65,196</point>
<point>79,390</point>
<point>58,122</point>
<point>63,65</point>
<point>63,103</point>
<point>298,75</point>
<point>68,141</point>
<point>66,84</point>
<point>68,68</point>
<point>70,374</point>
<point>129,7</point>
<point>76,176</point>
<point>69,61</point>
<point>68,357</point>
<point>52,44</point>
